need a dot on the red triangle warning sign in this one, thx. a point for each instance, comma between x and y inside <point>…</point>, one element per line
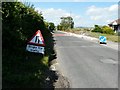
<point>37,39</point>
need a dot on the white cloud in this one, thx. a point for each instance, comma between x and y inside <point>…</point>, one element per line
<point>53,15</point>
<point>103,14</point>
<point>113,8</point>
<point>95,15</point>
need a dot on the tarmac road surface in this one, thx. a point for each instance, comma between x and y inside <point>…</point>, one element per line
<point>86,64</point>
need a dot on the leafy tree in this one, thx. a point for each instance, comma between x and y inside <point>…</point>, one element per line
<point>46,24</point>
<point>51,26</point>
<point>67,22</point>
<point>59,27</point>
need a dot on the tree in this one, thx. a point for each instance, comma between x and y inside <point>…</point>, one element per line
<point>51,26</point>
<point>67,23</point>
<point>59,27</point>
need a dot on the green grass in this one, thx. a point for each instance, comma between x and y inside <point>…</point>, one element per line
<point>113,38</point>
<point>109,37</point>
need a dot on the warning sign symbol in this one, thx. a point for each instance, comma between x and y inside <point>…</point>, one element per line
<point>37,39</point>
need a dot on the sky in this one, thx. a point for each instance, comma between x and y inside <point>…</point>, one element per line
<point>84,13</point>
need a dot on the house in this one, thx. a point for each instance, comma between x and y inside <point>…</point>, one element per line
<point>115,25</point>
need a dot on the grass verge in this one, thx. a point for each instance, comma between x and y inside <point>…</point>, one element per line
<point>113,38</point>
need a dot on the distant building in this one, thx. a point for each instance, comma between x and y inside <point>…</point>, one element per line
<point>115,25</point>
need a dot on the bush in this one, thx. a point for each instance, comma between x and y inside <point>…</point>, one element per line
<point>107,30</point>
<point>104,29</point>
<point>97,29</point>
<point>19,23</point>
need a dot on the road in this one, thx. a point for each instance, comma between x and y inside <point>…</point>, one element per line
<point>86,64</point>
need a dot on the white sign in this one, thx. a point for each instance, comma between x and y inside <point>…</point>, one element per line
<point>36,49</point>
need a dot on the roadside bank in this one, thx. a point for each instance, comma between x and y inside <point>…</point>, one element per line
<point>110,44</point>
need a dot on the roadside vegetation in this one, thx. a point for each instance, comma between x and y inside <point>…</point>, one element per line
<point>66,23</point>
<point>22,69</point>
<point>104,31</point>
<point>95,32</point>
<point>113,38</point>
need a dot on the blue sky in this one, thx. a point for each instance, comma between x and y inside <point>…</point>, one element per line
<point>83,13</point>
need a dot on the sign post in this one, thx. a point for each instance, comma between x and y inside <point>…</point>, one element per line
<point>36,43</point>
